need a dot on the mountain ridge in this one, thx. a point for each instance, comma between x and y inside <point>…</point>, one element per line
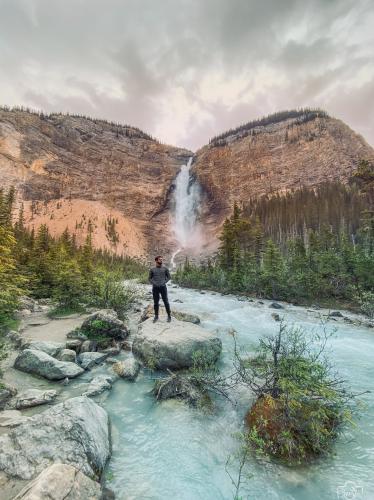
<point>80,172</point>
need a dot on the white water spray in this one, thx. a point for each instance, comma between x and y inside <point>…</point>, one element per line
<point>186,211</point>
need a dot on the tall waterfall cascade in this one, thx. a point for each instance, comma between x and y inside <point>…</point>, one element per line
<point>186,204</point>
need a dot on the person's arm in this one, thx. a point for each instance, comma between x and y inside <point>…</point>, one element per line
<point>167,275</point>
<point>150,276</point>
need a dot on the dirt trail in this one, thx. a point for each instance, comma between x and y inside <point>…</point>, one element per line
<point>39,327</point>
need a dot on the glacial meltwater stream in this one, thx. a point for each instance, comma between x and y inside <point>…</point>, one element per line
<point>170,451</point>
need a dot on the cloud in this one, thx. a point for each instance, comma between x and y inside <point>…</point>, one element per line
<point>185,70</point>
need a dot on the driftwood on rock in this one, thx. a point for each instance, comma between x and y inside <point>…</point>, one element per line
<point>180,386</point>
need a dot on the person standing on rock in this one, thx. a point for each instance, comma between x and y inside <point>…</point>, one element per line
<point>158,277</point>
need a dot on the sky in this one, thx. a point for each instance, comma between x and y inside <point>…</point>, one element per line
<point>186,70</point>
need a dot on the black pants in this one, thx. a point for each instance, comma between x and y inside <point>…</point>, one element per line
<point>156,291</point>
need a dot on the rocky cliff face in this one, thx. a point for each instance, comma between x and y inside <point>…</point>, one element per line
<point>75,172</point>
<point>275,158</point>
<point>78,173</point>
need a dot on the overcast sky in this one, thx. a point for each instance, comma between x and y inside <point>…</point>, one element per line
<point>185,70</point>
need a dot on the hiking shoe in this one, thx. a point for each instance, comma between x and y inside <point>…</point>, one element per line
<point>155,319</point>
<point>169,319</point>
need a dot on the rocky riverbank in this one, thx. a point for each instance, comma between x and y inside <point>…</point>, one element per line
<point>51,430</point>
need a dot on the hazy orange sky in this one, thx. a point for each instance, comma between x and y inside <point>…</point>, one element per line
<point>187,70</point>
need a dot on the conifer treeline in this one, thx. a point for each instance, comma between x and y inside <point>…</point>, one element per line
<point>116,127</point>
<point>302,115</point>
<point>310,245</point>
<point>36,264</point>
<point>295,213</point>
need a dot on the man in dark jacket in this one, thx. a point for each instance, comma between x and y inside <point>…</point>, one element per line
<point>158,277</point>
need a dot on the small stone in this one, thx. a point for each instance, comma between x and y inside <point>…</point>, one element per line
<point>275,316</point>
<point>336,314</point>
<point>113,351</point>
<point>77,334</point>
<point>107,494</point>
<point>6,394</point>
<point>275,305</point>
<point>88,346</point>
<point>111,361</point>
<point>128,369</point>
<point>68,355</point>
<point>88,360</point>
<point>98,385</point>
<point>74,345</point>
<point>24,312</point>
<point>16,338</point>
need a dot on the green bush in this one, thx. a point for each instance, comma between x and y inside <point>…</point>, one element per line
<point>366,302</point>
<point>301,405</point>
<point>109,291</point>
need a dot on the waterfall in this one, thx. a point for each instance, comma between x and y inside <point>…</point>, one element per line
<point>186,210</point>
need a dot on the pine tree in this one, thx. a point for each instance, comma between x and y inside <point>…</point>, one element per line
<point>272,270</point>
<point>12,283</point>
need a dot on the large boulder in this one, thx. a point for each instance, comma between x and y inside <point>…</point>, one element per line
<point>75,432</point>
<point>104,326</point>
<point>32,397</point>
<point>174,345</point>
<point>41,363</point>
<point>61,482</point>
<point>51,348</point>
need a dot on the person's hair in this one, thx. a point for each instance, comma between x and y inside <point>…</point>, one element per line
<point>158,257</point>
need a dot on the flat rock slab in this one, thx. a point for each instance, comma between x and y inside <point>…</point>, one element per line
<point>61,482</point>
<point>75,432</point>
<point>32,397</point>
<point>174,345</point>
<point>44,365</point>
